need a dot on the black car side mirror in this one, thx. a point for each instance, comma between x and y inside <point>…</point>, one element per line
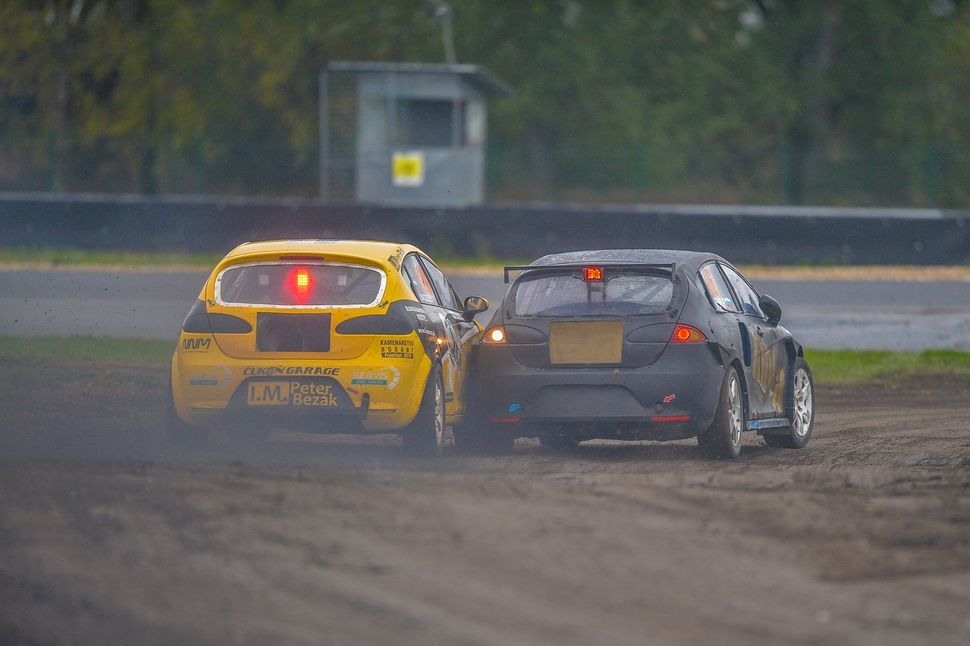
<point>474,305</point>
<point>770,307</point>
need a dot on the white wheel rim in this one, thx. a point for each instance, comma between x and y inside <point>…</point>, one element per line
<point>803,396</point>
<point>439,416</point>
<point>734,401</point>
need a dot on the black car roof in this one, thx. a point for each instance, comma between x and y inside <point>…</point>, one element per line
<point>689,259</point>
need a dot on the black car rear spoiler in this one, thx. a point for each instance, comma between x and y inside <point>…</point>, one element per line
<point>670,267</point>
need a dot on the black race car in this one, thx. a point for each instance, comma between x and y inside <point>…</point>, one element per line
<point>638,344</point>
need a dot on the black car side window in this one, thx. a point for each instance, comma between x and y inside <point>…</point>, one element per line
<point>717,289</point>
<point>745,294</point>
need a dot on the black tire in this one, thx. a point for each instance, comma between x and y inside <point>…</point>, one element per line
<point>483,437</point>
<point>799,407</point>
<point>723,438</point>
<point>425,435</point>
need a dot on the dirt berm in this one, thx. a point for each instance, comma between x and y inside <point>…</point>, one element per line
<point>861,538</point>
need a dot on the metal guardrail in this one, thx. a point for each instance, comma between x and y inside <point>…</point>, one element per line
<point>744,233</point>
<point>723,210</point>
<point>748,210</point>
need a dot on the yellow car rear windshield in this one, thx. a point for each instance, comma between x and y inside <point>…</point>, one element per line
<point>300,285</point>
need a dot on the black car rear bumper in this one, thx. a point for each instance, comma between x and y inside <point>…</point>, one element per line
<point>674,397</point>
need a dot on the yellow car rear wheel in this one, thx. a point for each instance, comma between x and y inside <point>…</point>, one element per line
<point>426,434</point>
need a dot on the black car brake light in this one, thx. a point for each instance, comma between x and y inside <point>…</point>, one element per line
<point>687,334</point>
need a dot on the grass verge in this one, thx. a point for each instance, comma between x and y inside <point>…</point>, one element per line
<point>828,366</point>
<point>83,349</point>
<point>70,257</point>
<point>859,366</point>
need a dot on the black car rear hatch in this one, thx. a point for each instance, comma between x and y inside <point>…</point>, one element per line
<point>592,314</point>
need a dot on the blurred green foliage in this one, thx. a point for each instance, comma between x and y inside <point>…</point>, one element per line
<point>831,101</point>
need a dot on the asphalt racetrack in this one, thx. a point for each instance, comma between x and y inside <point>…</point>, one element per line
<point>151,304</point>
<point>111,534</point>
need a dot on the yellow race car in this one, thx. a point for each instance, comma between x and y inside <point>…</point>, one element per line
<point>337,336</point>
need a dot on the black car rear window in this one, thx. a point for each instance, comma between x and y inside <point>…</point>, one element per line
<point>299,285</point>
<point>621,293</point>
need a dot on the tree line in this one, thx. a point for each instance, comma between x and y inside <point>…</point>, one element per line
<point>829,101</point>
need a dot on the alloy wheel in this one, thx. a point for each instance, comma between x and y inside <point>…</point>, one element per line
<point>439,416</point>
<point>802,414</point>
<point>734,400</point>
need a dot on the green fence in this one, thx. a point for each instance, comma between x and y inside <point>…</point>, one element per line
<point>616,172</point>
<point>934,176</point>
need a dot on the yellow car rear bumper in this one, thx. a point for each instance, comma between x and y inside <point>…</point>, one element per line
<point>382,392</point>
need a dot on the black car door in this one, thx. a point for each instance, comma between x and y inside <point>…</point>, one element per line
<point>765,359</point>
<point>459,334</point>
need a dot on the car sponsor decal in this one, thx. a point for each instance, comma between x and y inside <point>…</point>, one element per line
<point>196,344</point>
<point>397,348</point>
<point>289,371</point>
<point>419,312</point>
<point>215,377</point>
<point>395,258</point>
<point>388,376</point>
<point>291,393</point>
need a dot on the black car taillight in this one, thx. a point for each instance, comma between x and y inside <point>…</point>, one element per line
<point>687,334</point>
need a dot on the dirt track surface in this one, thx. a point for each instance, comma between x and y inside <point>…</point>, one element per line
<point>863,537</point>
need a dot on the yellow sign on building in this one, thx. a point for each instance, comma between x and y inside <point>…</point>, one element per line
<point>407,168</point>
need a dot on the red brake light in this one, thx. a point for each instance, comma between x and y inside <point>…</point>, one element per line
<point>300,283</point>
<point>592,273</point>
<point>686,334</point>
